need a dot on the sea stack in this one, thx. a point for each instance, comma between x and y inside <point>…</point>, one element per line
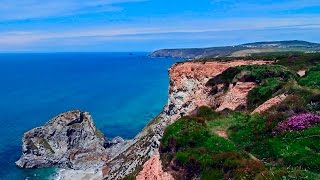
<point>69,140</point>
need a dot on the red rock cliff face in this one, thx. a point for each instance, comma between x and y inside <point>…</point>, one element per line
<point>152,170</point>
<point>187,92</point>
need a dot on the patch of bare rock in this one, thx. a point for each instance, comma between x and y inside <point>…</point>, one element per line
<point>301,73</point>
<point>271,102</point>
<point>221,133</point>
<point>152,170</point>
<point>236,96</point>
<point>188,88</point>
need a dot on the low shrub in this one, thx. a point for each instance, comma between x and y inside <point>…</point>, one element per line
<point>206,113</point>
<point>263,92</point>
<point>298,62</point>
<point>191,145</point>
<point>262,72</point>
<point>286,173</point>
<point>298,149</point>
<point>253,135</point>
<point>298,122</point>
<point>235,165</point>
<point>312,78</point>
<point>270,79</point>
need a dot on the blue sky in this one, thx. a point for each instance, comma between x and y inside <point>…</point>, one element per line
<point>146,25</point>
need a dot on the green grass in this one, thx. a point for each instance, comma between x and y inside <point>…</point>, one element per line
<point>251,149</point>
<point>262,72</point>
<point>264,91</point>
<point>269,78</point>
<point>223,123</point>
<point>312,78</point>
<point>299,149</point>
<point>191,144</point>
<point>288,173</point>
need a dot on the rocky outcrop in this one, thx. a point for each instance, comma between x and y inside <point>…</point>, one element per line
<point>188,88</point>
<point>69,140</point>
<point>271,102</point>
<point>152,170</point>
<point>236,97</point>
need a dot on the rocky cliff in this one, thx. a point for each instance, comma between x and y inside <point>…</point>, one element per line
<point>69,140</point>
<point>187,91</point>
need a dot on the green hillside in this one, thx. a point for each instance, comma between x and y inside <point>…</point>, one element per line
<point>281,143</point>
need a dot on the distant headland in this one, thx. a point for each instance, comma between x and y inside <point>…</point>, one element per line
<point>240,50</point>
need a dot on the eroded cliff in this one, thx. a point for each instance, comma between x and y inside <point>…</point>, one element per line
<point>187,91</point>
<point>71,140</point>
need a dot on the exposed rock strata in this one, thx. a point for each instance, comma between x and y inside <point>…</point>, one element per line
<point>187,92</point>
<point>188,88</point>
<point>152,170</point>
<point>236,96</point>
<point>271,102</point>
<point>73,142</point>
<point>69,140</point>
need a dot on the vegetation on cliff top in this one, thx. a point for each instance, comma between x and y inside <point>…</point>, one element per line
<point>192,148</point>
<point>271,80</point>
<point>282,143</point>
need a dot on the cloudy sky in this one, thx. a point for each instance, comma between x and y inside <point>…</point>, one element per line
<point>146,25</point>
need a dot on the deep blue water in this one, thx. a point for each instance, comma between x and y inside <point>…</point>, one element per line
<point>121,91</point>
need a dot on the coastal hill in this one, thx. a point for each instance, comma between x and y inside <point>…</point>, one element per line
<point>239,50</point>
<point>240,118</point>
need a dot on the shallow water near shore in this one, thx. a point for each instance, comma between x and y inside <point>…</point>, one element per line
<point>121,91</point>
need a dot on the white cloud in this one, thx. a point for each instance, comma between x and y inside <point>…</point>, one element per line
<point>26,9</point>
<point>141,31</point>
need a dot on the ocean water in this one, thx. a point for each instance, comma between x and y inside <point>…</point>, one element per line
<point>121,91</point>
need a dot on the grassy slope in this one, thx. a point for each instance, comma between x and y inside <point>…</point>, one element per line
<point>252,149</point>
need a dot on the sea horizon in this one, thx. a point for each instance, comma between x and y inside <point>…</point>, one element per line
<point>40,86</point>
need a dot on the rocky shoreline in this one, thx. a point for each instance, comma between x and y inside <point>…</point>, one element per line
<point>84,152</point>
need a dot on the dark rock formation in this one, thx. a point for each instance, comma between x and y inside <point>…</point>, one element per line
<point>69,140</point>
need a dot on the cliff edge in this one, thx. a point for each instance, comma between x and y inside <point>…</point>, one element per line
<point>187,91</point>
<point>71,140</point>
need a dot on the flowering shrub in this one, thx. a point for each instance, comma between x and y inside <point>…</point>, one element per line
<point>298,122</point>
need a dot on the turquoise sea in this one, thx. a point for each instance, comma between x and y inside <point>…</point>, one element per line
<point>121,91</point>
